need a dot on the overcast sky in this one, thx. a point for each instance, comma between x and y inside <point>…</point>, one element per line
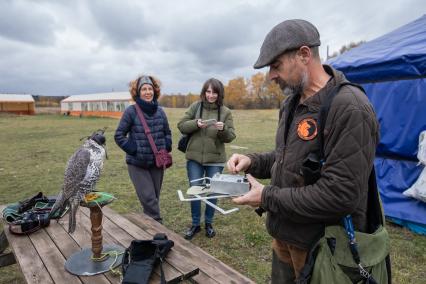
<point>67,47</point>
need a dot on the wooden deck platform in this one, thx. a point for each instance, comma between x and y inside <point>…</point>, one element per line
<point>41,255</point>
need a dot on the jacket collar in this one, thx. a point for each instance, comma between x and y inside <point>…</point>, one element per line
<point>337,77</point>
<point>209,106</point>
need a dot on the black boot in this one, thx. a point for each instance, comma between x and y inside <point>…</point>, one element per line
<point>210,233</point>
<point>192,231</point>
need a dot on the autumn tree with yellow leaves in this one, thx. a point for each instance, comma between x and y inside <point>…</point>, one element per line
<point>257,92</point>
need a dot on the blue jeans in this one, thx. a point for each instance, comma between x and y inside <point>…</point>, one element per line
<point>195,171</point>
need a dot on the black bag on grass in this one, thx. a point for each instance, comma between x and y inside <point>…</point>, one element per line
<point>141,257</point>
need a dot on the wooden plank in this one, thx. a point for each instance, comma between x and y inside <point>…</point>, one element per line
<point>32,266</point>
<point>68,246</point>
<point>213,267</point>
<point>180,262</point>
<point>82,235</point>
<point>115,231</point>
<point>52,258</point>
<point>203,278</point>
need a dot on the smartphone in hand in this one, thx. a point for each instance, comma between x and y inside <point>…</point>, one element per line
<point>209,122</point>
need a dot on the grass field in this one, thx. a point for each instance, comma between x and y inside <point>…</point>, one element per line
<point>34,151</point>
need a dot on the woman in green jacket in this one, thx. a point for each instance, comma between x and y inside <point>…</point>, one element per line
<point>210,125</point>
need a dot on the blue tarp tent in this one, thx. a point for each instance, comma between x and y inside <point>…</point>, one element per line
<point>392,70</point>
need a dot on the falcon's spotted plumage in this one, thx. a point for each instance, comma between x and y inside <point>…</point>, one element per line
<point>81,174</point>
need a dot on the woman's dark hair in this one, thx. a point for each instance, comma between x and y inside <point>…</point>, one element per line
<point>217,87</point>
<point>133,87</point>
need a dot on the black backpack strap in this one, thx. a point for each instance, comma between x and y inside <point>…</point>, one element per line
<point>325,107</point>
<point>289,114</point>
<point>218,113</point>
<point>374,209</point>
<point>125,261</point>
<point>164,245</point>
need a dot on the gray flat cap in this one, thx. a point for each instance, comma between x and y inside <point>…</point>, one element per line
<point>286,36</point>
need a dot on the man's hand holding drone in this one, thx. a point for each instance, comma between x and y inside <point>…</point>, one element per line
<point>238,163</point>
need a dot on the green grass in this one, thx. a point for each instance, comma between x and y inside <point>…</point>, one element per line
<point>34,151</point>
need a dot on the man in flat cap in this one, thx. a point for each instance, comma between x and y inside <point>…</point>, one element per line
<point>311,185</point>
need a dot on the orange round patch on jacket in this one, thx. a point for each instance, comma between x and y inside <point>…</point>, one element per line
<point>307,129</point>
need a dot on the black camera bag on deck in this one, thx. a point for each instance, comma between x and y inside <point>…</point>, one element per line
<point>142,256</point>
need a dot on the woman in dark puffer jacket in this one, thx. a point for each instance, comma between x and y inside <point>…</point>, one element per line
<point>130,136</point>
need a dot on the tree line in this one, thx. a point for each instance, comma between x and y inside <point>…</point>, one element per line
<point>257,92</point>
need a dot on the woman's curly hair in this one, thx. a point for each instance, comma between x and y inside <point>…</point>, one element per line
<point>133,87</point>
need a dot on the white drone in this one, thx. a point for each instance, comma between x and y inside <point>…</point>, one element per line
<point>218,186</point>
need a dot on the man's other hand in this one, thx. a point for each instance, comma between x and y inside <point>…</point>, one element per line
<point>254,196</point>
<point>238,163</point>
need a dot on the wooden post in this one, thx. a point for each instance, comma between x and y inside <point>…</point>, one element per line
<point>96,220</point>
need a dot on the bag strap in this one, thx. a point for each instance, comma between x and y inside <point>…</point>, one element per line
<point>289,114</point>
<point>199,110</point>
<point>160,259</point>
<point>200,107</point>
<point>163,247</point>
<point>325,107</point>
<point>125,261</point>
<point>147,130</point>
<point>218,113</point>
<point>374,218</point>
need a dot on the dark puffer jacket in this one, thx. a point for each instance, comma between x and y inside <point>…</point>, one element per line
<point>130,136</point>
<point>298,212</point>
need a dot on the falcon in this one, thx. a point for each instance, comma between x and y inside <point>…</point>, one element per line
<point>81,175</point>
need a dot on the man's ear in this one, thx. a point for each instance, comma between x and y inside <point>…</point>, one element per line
<point>305,54</point>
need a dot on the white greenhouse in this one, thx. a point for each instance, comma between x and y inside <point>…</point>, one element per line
<point>101,104</point>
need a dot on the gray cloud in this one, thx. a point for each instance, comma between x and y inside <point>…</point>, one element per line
<point>121,23</point>
<point>82,46</point>
<point>24,22</point>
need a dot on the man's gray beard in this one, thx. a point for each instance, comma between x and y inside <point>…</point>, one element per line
<point>298,88</point>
